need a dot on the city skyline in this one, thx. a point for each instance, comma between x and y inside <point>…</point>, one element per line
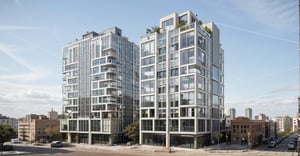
<point>261,52</point>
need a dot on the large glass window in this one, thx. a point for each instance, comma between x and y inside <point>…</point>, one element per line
<point>161,74</point>
<point>187,112</point>
<point>215,73</point>
<point>147,125</point>
<point>167,23</point>
<point>147,48</point>
<point>201,125</point>
<point>95,125</point>
<point>201,41</point>
<point>187,56</point>
<point>160,125</point>
<point>201,112</point>
<point>174,72</point>
<point>147,101</point>
<point>215,87</point>
<point>147,72</point>
<point>187,98</point>
<point>187,39</point>
<point>201,99</point>
<point>215,100</point>
<point>148,87</point>
<point>187,125</point>
<point>201,83</point>
<point>187,82</point>
<point>201,57</point>
<point>147,61</point>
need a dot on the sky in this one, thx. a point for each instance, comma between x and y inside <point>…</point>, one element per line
<point>260,39</point>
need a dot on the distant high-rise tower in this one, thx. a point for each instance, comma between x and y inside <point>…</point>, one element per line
<point>182,83</point>
<point>100,87</point>
<point>248,113</point>
<point>232,113</point>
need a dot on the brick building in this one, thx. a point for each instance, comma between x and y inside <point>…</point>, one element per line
<point>244,131</point>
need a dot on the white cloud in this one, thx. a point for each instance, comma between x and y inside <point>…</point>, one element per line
<point>279,15</point>
<point>20,99</point>
<point>10,51</point>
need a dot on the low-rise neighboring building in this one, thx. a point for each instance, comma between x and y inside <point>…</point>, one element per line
<point>32,127</point>
<point>244,131</point>
<point>12,122</point>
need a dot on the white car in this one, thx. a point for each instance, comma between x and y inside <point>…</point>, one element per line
<point>291,145</point>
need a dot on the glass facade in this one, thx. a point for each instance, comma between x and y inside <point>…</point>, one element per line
<point>181,88</point>
<point>100,85</point>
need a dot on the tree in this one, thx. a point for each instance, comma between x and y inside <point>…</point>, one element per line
<point>132,131</point>
<point>23,134</point>
<point>218,136</point>
<point>6,133</point>
<point>200,22</point>
<point>153,29</point>
<point>53,132</point>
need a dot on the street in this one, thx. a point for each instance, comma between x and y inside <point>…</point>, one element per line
<point>281,147</point>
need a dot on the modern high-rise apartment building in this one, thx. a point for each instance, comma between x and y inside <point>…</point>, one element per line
<point>182,83</point>
<point>100,87</point>
<point>232,113</point>
<point>248,113</point>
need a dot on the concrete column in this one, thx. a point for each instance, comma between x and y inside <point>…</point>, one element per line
<point>69,137</point>
<point>90,138</point>
<point>195,142</point>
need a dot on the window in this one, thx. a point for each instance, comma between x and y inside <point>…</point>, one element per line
<point>99,61</point>
<point>187,82</point>
<point>148,87</point>
<point>187,112</point>
<point>201,99</point>
<point>147,72</point>
<point>201,41</point>
<point>147,61</point>
<point>215,73</point>
<point>147,101</point>
<point>147,125</point>
<point>215,87</point>
<point>215,100</point>
<point>201,83</point>
<point>183,19</point>
<point>147,48</point>
<point>161,74</point>
<point>173,56</point>
<point>160,125</point>
<point>187,98</point>
<point>167,23</point>
<point>162,50</point>
<point>187,125</point>
<point>162,113</point>
<point>174,113</point>
<point>95,125</point>
<point>201,57</point>
<point>162,58</point>
<point>173,89</point>
<point>183,70</point>
<point>174,72</point>
<point>161,90</point>
<point>201,112</point>
<point>187,56</point>
<point>187,39</point>
<point>201,125</point>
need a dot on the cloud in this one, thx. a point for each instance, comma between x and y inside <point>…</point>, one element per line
<point>10,50</point>
<point>23,99</point>
<point>256,33</point>
<point>279,15</point>
<point>19,27</point>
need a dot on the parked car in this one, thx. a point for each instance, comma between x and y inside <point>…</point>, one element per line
<point>56,144</point>
<point>272,144</point>
<point>6,148</point>
<point>291,145</point>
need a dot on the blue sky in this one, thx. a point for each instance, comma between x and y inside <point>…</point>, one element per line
<point>259,37</point>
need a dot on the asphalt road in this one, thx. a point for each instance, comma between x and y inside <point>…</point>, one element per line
<point>281,147</point>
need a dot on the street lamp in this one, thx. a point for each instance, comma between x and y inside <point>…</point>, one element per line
<point>249,135</point>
